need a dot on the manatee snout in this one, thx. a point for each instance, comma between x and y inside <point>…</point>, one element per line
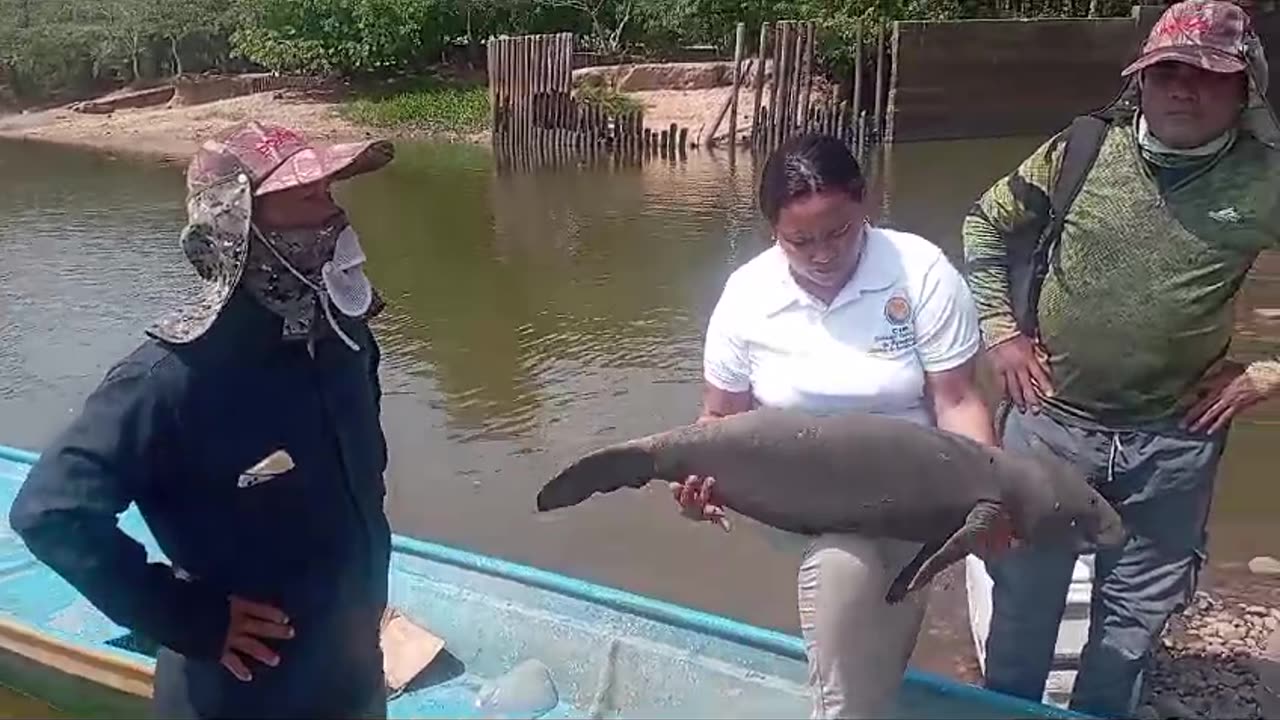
<point>1091,521</point>
<point>1101,524</point>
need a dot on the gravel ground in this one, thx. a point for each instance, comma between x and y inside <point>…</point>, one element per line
<point>1206,664</point>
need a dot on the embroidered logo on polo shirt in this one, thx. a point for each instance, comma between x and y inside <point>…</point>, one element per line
<point>901,335</point>
<point>897,310</point>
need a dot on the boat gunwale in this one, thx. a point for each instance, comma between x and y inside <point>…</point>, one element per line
<point>102,668</point>
<point>718,626</point>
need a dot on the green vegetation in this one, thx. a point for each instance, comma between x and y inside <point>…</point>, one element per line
<point>608,98</point>
<point>433,106</point>
<point>68,48</point>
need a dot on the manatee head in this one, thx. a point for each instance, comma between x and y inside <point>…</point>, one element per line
<point>1053,503</point>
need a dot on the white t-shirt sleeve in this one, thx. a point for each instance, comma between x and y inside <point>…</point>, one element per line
<point>947,319</point>
<point>725,363</point>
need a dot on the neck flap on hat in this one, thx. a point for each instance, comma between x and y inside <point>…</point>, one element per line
<point>1258,119</point>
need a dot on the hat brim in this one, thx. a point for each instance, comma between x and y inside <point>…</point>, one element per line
<point>1204,58</point>
<point>336,162</point>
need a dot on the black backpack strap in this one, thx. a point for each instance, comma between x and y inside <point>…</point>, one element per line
<point>1077,158</point>
<point>1083,140</point>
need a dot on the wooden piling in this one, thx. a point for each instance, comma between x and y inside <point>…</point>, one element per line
<point>878,118</point>
<point>740,37</point>
<point>708,133</point>
<point>775,86</point>
<point>489,63</point>
<point>805,86</point>
<point>793,70</point>
<point>857,75</point>
<point>537,121</point>
<point>761,68</point>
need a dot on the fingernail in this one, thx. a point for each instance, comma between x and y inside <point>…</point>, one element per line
<point>290,635</point>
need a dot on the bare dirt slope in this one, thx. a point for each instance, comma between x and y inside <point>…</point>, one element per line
<point>176,133</point>
<point>694,109</point>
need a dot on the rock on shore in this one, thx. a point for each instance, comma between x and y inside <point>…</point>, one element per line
<point>1208,663</point>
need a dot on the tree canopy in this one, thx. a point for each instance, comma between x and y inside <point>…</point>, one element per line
<point>55,48</point>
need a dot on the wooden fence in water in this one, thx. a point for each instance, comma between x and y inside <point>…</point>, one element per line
<point>789,108</point>
<point>537,120</point>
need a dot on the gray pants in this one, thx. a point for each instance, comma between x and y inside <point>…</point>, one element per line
<point>857,644</point>
<point>1161,482</point>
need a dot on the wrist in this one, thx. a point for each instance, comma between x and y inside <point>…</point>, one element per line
<point>998,329</point>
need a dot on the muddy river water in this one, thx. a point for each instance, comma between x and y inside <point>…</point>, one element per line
<point>532,316</point>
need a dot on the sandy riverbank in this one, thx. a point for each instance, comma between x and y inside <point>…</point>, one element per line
<point>173,134</point>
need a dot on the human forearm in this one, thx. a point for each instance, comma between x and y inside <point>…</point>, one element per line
<point>957,403</point>
<point>1001,230</point>
<point>718,403</point>
<point>115,453</point>
<point>969,417</point>
<point>112,572</point>
<point>988,278</point>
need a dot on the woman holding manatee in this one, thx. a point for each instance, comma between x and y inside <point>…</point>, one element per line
<point>838,316</point>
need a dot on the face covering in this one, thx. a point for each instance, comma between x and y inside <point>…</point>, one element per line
<point>299,274</point>
<point>1157,153</point>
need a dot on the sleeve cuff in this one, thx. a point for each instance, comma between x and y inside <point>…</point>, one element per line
<point>195,623</point>
<point>997,329</point>
<point>952,360</point>
<point>1266,375</point>
<point>734,385</point>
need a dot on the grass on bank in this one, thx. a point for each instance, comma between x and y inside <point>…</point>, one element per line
<point>438,106</point>
<point>609,98</point>
<point>431,106</point>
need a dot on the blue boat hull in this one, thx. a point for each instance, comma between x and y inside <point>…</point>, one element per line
<point>610,653</point>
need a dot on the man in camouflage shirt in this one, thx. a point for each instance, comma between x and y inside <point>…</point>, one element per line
<point>1128,376</point>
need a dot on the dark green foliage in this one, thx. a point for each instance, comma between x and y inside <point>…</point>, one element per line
<point>56,48</point>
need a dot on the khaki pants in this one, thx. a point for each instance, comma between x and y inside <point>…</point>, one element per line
<point>857,644</point>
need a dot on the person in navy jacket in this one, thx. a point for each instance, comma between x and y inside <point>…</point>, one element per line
<point>246,429</point>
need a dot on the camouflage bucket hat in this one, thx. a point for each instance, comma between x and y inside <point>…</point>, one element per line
<point>225,175</point>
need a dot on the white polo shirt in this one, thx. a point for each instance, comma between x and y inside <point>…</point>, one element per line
<point>905,311</point>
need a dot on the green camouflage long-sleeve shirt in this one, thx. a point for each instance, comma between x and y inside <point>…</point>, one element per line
<point>1142,304</point>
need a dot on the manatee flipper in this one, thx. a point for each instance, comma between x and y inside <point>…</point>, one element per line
<point>933,558</point>
<point>898,588</point>
<point>603,471</point>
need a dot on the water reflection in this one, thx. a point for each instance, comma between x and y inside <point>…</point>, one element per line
<point>512,290</point>
<point>89,247</point>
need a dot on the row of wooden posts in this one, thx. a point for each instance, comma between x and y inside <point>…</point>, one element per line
<point>533,110</point>
<point>785,54</point>
<point>533,106</point>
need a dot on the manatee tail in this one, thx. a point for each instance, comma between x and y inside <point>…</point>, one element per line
<point>602,471</point>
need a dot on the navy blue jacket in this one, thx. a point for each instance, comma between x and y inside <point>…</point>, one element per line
<point>172,429</point>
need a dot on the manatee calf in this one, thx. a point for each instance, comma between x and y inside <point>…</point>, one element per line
<point>869,474</point>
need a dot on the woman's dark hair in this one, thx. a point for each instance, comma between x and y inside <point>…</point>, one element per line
<point>807,164</point>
